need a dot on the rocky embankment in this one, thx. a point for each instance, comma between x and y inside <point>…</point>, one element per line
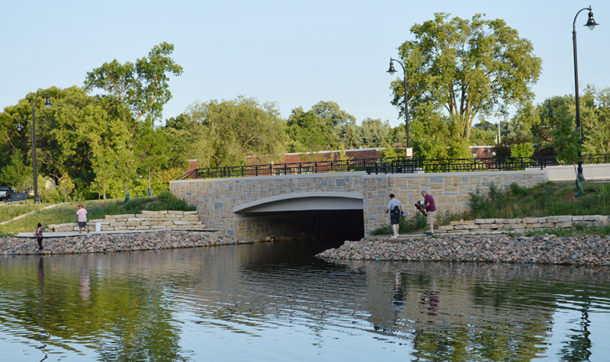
<point>542,249</point>
<point>104,243</point>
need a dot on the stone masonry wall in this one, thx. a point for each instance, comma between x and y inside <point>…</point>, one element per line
<point>451,191</point>
<point>147,220</point>
<point>524,224</point>
<point>215,199</point>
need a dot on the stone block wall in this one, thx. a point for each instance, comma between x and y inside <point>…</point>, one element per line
<point>451,191</point>
<point>216,199</point>
<point>147,220</point>
<point>522,225</point>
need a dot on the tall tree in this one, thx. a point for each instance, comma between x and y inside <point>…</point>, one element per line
<point>232,130</point>
<point>309,132</point>
<point>374,132</point>
<point>463,68</point>
<point>595,114</point>
<point>332,113</point>
<point>142,86</point>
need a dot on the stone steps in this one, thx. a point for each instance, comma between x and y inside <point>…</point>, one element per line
<point>523,224</point>
<point>148,220</point>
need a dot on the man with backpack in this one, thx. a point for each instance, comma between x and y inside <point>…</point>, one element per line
<point>395,209</point>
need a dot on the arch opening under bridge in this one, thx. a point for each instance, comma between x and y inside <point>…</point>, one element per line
<point>319,215</point>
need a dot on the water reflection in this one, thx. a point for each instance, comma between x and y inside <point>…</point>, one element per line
<point>275,302</point>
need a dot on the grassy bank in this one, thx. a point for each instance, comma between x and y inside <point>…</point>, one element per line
<point>9,211</point>
<point>96,209</point>
<point>548,199</point>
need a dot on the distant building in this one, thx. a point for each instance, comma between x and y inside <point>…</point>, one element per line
<point>482,152</point>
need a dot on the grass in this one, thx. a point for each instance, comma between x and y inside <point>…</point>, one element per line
<point>96,209</point>
<point>406,225</point>
<point>9,211</point>
<point>551,198</point>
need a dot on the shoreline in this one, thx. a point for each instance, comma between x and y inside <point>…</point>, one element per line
<point>113,242</point>
<point>591,250</point>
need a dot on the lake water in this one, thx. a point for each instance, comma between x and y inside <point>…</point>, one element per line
<point>276,302</point>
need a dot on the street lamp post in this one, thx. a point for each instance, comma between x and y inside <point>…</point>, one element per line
<point>391,70</point>
<point>591,25</point>
<point>34,163</point>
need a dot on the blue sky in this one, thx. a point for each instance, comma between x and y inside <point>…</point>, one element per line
<point>294,53</point>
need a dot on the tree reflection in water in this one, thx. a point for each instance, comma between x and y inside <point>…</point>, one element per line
<point>145,305</point>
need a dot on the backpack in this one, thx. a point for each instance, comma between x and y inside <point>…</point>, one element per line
<point>396,210</point>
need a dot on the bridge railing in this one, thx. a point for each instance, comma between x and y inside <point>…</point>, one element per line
<point>386,165</point>
<point>278,169</point>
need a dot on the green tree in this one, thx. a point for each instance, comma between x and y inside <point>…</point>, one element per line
<point>520,128</point>
<point>324,127</point>
<point>463,68</point>
<point>332,113</point>
<point>142,86</point>
<point>231,130</point>
<point>157,149</point>
<point>349,134</point>
<point>483,134</point>
<point>374,132</point>
<point>556,127</point>
<point>525,149</point>
<point>308,132</point>
<point>595,120</point>
<point>65,187</point>
<point>16,173</point>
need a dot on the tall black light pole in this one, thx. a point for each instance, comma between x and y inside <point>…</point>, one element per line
<point>34,164</point>
<point>591,25</point>
<point>391,70</point>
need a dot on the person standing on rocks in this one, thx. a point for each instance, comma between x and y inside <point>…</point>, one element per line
<point>430,207</point>
<point>38,234</point>
<point>395,209</point>
<point>81,214</point>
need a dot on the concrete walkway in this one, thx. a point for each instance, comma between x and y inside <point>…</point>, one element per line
<point>49,234</point>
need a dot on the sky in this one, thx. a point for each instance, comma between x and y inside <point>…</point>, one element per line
<point>293,53</point>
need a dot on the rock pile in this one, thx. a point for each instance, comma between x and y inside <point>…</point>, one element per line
<point>103,243</point>
<point>542,249</point>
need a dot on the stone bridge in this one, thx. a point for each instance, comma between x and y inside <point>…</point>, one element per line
<point>342,205</point>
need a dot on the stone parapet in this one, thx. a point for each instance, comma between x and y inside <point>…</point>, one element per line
<point>524,224</point>
<point>147,220</point>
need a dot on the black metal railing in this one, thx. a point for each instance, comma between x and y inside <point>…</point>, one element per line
<point>278,169</point>
<point>386,165</point>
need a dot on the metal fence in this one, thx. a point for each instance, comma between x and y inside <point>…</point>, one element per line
<point>386,165</point>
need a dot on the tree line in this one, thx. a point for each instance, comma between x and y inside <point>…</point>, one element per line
<point>107,137</point>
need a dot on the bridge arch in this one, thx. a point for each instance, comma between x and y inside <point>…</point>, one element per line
<point>302,202</point>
